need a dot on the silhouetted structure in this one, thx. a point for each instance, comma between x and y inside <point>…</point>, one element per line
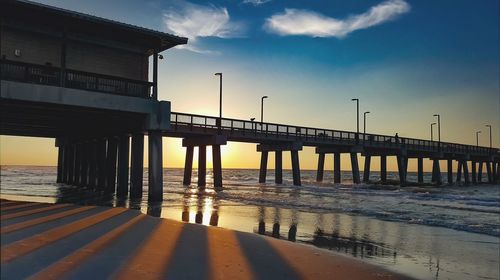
<point>83,80</point>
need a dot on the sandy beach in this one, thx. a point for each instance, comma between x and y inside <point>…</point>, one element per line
<point>46,241</point>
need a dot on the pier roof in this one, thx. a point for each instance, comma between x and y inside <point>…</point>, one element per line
<point>74,21</point>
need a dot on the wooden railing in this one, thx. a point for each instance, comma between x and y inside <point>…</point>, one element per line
<point>273,131</point>
<point>54,76</point>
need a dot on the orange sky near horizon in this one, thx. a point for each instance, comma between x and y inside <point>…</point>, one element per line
<point>42,152</point>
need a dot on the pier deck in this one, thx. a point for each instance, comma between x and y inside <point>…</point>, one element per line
<point>49,241</point>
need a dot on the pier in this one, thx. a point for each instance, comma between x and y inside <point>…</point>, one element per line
<point>90,92</point>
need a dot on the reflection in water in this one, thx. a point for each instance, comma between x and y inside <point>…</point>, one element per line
<point>202,204</point>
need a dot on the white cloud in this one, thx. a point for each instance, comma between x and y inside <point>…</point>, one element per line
<point>255,2</point>
<point>309,23</point>
<point>197,21</point>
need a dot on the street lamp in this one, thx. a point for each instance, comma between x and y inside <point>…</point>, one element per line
<point>432,134</point>
<point>262,108</point>
<point>439,129</point>
<point>477,138</point>
<point>220,94</point>
<point>489,125</point>
<point>357,117</point>
<point>364,122</point>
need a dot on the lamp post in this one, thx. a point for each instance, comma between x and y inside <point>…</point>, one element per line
<point>439,129</point>
<point>252,119</point>
<point>262,108</point>
<point>219,124</point>
<point>477,138</point>
<point>364,122</point>
<point>489,125</point>
<point>432,134</point>
<point>357,118</point>
<point>220,94</point>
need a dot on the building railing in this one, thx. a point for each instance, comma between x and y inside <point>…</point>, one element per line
<point>273,131</point>
<point>54,76</point>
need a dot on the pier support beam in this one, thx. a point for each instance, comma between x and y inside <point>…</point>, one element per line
<point>136,165</point>
<point>420,170</point>
<point>217,166</point>
<point>383,169</point>
<point>473,172</point>
<point>60,162</point>
<point>450,171</point>
<point>321,167</point>
<point>366,171</point>
<point>101,164</point>
<point>111,154</point>
<point>84,176</point>
<point>71,164</point>
<point>263,166</point>
<point>355,168</point>
<point>488,171</point>
<point>436,172</point>
<point>480,172</point>
<point>337,176</point>
<point>466,172</point>
<point>202,166</point>
<point>92,164</point>
<point>278,169</point>
<point>155,162</point>
<point>123,155</point>
<point>188,166</point>
<point>401,170</point>
<point>295,167</point>
<point>459,171</point>
<point>78,164</point>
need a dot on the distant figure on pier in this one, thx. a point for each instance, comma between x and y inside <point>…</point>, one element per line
<point>396,138</point>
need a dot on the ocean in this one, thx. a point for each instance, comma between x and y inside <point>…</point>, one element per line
<point>428,232</point>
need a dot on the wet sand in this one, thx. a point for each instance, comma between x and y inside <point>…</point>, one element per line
<point>52,241</point>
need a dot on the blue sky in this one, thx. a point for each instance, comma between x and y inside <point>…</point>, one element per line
<point>405,60</point>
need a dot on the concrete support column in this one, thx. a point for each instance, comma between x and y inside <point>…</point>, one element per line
<point>71,164</point>
<point>188,166</point>
<point>473,172</point>
<point>466,172</point>
<point>337,175</point>
<point>295,167</point>
<point>480,172</point>
<point>450,171</point>
<point>383,169</point>
<point>92,164</point>
<point>278,169</point>
<point>263,166</point>
<point>123,155</point>
<point>60,162</point>
<point>155,157</point>
<point>78,164</point>
<point>355,168</point>
<point>401,170</point>
<point>217,166</point>
<point>420,170</point>
<point>436,172</point>
<point>65,169</point>
<point>136,165</point>
<point>84,175</point>
<point>488,171</point>
<point>101,164</point>
<point>111,154</point>
<point>202,166</point>
<point>366,171</point>
<point>459,171</point>
<point>321,167</point>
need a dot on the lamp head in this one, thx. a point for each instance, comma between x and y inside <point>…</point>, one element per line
<point>368,112</point>
<point>433,123</point>
<point>252,119</point>
<point>160,56</point>
<point>436,115</point>
<point>218,74</point>
<point>355,99</point>
<point>265,96</point>
<point>488,125</point>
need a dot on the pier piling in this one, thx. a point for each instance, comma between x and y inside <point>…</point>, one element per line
<point>123,155</point>
<point>155,162</point>
<point>337,178</point>
<point>366,171</point>
<point>420,170</point>
<point>202,166</point>
<point>355,168</point>
<point>383,168</point>
<point>263,166</point>
<point>278,169</point>
<point>217,166</point>
<point>321,167</point>
<point>136,165</point>
<point>188,165</point>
